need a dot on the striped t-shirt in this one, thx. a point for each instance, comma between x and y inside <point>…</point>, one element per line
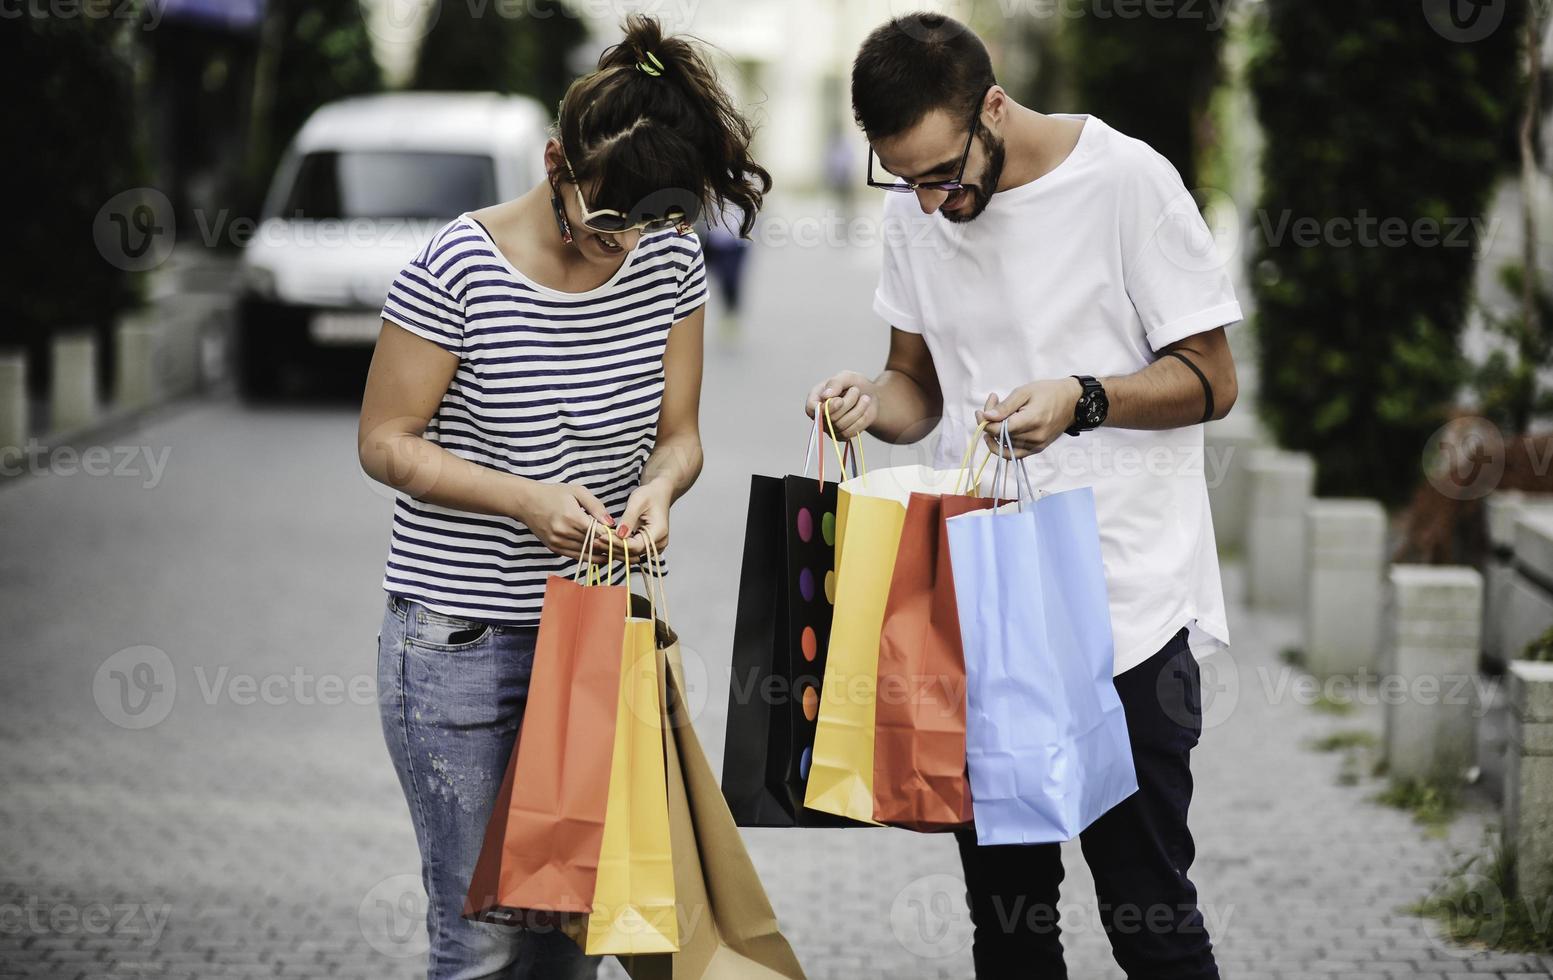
<point>553,386</point>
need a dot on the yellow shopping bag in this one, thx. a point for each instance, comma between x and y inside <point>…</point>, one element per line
<point>633,903</point>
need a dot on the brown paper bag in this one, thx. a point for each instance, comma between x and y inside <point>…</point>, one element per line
<point>727,928</point>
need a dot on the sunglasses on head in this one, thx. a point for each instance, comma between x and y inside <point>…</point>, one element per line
<point>608,221</point>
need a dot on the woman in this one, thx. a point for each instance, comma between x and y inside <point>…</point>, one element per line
<point>539,368</point>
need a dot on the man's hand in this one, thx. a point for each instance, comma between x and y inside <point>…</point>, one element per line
<point>854,403</point>
<point>1037,413</point>
<point>647,514</point>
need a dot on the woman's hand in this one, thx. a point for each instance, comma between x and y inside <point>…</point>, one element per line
<point>559,515</point>
<point>647,515</point>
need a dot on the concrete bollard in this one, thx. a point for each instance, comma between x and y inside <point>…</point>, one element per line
<point>136,384</point>
<point>1525,602</point>
<point>1528,798</point>
<point>1281,485</point>
<point>13,400</point>
<point>1227,446</point>
<point>1345,560</point>
<point>73,403</point>
<point>1433,639</point>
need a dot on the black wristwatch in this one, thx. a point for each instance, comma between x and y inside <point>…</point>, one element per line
<point>1092,406</point>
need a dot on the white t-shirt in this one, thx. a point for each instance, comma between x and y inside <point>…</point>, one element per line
<point>1090,269</point>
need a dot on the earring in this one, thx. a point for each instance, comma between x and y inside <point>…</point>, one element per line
<point>560,211</point>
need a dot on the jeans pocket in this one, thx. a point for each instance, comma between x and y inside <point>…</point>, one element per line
<point>450,634</point>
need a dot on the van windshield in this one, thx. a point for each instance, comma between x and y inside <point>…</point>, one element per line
<point>389,184</point>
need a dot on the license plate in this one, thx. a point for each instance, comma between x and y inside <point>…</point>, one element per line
<point>345,328</point>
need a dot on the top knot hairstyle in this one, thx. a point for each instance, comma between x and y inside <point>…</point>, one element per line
<point>652,122</point>
<point>913,65</point>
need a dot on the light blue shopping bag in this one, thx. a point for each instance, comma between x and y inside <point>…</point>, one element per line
<point>1045,734</point>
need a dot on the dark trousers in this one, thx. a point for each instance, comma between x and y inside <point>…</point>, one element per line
<point>1138,852</point>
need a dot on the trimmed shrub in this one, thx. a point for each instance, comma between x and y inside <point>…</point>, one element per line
<point>1383,142</point>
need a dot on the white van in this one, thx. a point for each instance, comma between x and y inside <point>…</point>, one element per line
<point>365,184</point>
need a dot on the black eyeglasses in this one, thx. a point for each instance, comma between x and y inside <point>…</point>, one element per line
<point>947,186</point>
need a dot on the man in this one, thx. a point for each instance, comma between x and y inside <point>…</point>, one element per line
<point>1048,272</point>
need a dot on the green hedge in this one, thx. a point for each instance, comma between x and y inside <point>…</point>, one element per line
<point>1148,75</point>
<point>75,125</point>
<point>496,47</point>
<point>1371,115</point>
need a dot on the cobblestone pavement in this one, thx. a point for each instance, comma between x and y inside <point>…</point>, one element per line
<point>234,813</point>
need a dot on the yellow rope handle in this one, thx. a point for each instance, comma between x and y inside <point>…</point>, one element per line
<point>609,568</point>
<point>965,463</point>
<point>856,442</point>
<point>656,565</point>
<point>586,552</point>
<point>835,444</point>
<point>625,545</point>
<point>976,488</point>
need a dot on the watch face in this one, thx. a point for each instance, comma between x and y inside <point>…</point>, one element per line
<point>1093,408</point>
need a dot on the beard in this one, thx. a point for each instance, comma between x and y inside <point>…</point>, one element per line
<point>982,190</point>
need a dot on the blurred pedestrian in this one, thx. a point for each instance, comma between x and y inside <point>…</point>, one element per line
<point>1027,254</point>
<point>841,170</point>
<point>726,250</point>
<point>538,369</point>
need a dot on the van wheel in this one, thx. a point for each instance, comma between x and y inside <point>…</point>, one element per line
<point>258,364</point>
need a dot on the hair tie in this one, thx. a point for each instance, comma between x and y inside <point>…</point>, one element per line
<point>655,69</point>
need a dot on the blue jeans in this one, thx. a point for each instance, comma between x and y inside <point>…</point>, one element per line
<point>451,693</point>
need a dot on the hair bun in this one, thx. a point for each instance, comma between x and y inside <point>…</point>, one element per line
<point>643,36</point>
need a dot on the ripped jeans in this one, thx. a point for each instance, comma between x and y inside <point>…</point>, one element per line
<point>451,693</point>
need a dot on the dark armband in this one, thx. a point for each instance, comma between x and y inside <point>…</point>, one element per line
<point>1207,389</point>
